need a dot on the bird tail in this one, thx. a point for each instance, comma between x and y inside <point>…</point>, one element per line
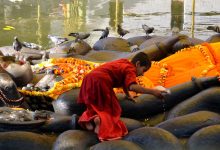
<point>97,30</point>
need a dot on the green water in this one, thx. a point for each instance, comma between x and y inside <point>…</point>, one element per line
<point>33,20</point>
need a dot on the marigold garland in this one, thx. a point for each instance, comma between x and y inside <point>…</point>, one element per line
<point>73,70</point>
<point>163,72</point>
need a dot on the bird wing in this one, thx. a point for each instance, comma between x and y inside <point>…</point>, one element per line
<point>98,30</point>
<point>32,45</point>
<point>145,27</point>
<point>85,36</point>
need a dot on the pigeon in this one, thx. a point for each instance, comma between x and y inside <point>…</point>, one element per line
<point>105,32</point>
<point>175,30</point>
<point>121,31</point>
<point>214,28</point>
<point>148,30</point>
<point>57,40</point>
<point>17,45</point>
<point>32,45</point>
<point>79,36</point>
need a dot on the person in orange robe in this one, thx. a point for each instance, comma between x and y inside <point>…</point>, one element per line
<point>103,109</point>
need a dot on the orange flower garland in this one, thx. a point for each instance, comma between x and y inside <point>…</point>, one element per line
<point>71,69</point>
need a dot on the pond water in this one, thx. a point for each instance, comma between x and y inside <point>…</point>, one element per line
<point>33,20</point>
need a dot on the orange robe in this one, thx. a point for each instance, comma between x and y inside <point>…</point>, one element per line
<point>197,61</point>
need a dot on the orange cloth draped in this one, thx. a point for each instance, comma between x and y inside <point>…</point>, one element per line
<point>198,61</point>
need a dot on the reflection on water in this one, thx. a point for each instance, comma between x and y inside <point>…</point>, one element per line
<point>33,20</point>
<point>115,13</point>
<point>177,11</point>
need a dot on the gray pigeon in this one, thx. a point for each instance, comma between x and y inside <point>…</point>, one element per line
<point>57,40</point>
<point>17,45</point>
<point>214,28</point>
<point>148,30</point>
<point>79,36</point>
<point>175,30</point>
<point>121,31</point>
<point>105,32</point>
<point>32,45</point>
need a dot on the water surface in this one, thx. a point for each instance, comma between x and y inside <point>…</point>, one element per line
<point>33,20</point>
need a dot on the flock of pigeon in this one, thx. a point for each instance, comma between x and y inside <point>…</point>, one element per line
<point>57,40</point>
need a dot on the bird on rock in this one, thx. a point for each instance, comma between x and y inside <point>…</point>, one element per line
<point>17,45</point>
<point>214,28</point>
<point>105,32</point>
<point>148,30</point>
<point>79,36</point>
<point>32,45</point>
<point>121,31</point>
<point>57,40</point>
<point>175,30</point>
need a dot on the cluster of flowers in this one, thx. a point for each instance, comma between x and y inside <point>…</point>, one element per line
<point>71,69</point>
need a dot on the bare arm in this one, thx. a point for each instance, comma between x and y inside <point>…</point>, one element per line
<point>139,89</point>
<point>127,95</point>
<point>126,91</point>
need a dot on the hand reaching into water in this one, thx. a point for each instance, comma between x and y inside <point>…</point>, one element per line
<point>160,92</point>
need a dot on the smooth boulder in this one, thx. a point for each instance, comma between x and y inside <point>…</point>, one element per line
<point>185,126</point>
<point>149,138</point>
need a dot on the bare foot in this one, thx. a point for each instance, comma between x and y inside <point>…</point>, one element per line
<point>97,124</point>
<point>89,126</point>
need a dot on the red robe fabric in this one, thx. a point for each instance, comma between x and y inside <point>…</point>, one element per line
<point>98,95</point>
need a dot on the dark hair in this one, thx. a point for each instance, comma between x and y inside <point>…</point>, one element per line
<point>143,58</point>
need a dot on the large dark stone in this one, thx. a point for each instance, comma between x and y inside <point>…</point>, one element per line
<point>112,43</point>
<point>205,100</point>
<point>116,145</point>
<point>138,40</point>
<point>205,139</point>
<point>185,126</point>
<point>75,140</point>
<point>9,96</point>
<point>21,140</point>
<point>66,103</point>
<point>152,41</point>
<point>214,38</point>
<point>151,138</point>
